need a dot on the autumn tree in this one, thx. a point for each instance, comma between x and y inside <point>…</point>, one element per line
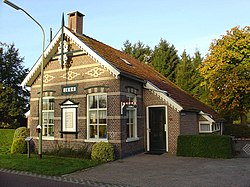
<point>226,72</point>
<point>165,59</point>
<point>13,98</point>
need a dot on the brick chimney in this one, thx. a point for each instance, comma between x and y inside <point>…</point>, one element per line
<point>75,22</point>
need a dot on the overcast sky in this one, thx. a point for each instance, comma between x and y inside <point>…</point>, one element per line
<point>187,24</point>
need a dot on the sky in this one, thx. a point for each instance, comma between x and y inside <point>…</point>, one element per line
<point>187,24</point>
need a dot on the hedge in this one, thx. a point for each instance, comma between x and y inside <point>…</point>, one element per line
<point>209,146</point>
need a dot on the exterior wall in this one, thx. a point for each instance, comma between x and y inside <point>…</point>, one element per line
<point>173,118</point>
<point>189,123</point>
<point>133,147</point>
<point>88,76</point>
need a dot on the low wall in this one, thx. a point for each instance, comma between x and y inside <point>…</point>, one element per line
<point>241,147</point>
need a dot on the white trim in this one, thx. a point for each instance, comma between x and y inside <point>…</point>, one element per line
<point>35,70</point>
<point>132,139</point>
<point>207,116</point>
<point>166,126</point>
<point>96,57</point>
<point>69,129</point>
<point>162,94</point>
<point>88,117</point>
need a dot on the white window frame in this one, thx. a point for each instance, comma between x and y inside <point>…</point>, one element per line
<point>133,137</point>
<point>97,138</point>
<point>48,136</point>
<point>205,123</point>
<point>71,109</point>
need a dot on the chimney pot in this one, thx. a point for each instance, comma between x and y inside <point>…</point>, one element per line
<point>75,22</point>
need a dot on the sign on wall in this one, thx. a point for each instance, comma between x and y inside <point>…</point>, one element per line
<point>69,89</point>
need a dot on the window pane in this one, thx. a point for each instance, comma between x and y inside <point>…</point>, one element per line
<point>93,131</point>
<point>102,116</point>
<point>102,101</point>
<point>92,101</point>
<point>204,127</point>
<point>51,104</point>
<point>102,131</point>
<point>93,117</point>
<point>51,130</point>
<point>45,118</point>
<point>51,117</point>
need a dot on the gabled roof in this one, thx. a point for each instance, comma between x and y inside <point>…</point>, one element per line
<point>119,63</point>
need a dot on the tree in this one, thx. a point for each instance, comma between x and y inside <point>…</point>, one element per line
<point>184,72</point>
<point>137,50</point>
<point>165,59</point>
<point>13,99</point>
<point>226,72</point>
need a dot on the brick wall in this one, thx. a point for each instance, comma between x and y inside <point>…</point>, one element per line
<point>150,99</point>
<point>189,123</point>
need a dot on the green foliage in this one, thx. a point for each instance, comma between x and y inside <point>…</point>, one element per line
<point>82,152</point>
<point>209,146</point>
<point>13,98</point>
<point>137,50</point>
<point>165,59</point>
<point>21,132</point>
<point>239,131</point>
<point>19,146</point>
<point>226,72</point>
<point>6,139</point>
<point>102,151</point>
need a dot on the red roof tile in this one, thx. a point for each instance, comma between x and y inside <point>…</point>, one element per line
<point>143,71</point>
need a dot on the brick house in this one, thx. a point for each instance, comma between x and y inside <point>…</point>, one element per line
<point>97,93</point>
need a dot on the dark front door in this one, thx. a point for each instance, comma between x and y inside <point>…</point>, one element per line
<point>157,134</point>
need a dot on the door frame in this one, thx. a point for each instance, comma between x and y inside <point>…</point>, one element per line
<point>165,125</point>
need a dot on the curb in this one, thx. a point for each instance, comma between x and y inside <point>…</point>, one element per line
<point>64,179</point>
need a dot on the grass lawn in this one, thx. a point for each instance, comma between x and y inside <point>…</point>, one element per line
<point>48,165</point>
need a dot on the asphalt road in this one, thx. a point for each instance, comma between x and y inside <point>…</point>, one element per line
<point>16,180</point>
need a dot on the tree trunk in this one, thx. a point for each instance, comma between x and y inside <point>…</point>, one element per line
<point>243,118</point>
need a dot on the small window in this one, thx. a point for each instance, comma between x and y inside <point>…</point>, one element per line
<point>131,118</point>
<point>205,127</point>
<point>128,63</point>
<point>48,116</point>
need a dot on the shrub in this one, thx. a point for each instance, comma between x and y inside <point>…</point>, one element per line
<point>82,152</point>
<point>19,146</point>
<point>21,132</point>
<point>239,131</point>
<point>102,151</point>
<point>209,146</point>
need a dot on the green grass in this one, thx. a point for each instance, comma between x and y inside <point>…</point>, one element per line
<point>6,138</point>
<point>48,165</point>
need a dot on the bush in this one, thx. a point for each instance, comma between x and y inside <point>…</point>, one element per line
<point>21,132</point>
<point>239,131</point>
<point>102,151</point>
<point>18,146</point>
<point>209,146</point>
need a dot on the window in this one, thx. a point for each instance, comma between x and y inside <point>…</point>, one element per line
<point>205,127</point>
<point>131,118</point>
<point>48,116</point>
<point>97,116</point>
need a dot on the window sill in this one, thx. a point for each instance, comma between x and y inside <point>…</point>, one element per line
<point>132,139</point>
<point>96,140</point>
<point>48,138</point>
